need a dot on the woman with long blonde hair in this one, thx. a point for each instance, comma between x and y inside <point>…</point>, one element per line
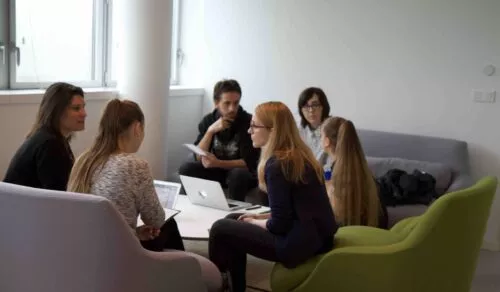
<point>352,190</point>
<point>301,223</point>
<point>111,169</point>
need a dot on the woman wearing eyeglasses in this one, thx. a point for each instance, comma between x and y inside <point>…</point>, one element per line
<point>301,223</point>
<point>313,109</point>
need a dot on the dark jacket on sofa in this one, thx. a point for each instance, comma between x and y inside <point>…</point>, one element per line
<point>397,187</point>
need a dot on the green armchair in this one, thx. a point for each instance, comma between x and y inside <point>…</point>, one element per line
<point>436,251</point>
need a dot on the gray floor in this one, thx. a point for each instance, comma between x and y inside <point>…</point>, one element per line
<point>487,278</point>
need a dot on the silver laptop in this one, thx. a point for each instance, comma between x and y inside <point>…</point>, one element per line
<point>209,193</point>
<point>167,193</point>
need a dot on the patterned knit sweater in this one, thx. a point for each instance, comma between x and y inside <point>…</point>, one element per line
<point>126,180</point>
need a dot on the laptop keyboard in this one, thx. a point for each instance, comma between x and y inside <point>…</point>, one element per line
<point>233,203</point>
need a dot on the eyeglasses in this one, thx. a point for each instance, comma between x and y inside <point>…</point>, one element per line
<point>254,126</point>
<point>309,107</point>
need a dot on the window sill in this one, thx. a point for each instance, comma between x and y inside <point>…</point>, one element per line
<point>34,96</point>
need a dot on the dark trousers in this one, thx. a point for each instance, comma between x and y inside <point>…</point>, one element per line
<point>238,180</point>
<point>169,238</point>
<point>229,243</point>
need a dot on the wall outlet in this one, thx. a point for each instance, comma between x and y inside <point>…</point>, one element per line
<point>477,96</point>
<point>490,96</point>
<point>484,97</point>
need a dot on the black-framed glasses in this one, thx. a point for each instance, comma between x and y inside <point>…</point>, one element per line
<point>314,106</point>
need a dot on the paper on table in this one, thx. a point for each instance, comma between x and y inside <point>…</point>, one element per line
<point>170,213</point>
<point>196,149</point>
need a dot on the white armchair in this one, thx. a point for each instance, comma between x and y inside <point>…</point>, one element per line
<point>58,241</point>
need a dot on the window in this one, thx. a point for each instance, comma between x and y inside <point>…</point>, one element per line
<point>52,43</point>
<point>4,32</point>
<point>42,41</point>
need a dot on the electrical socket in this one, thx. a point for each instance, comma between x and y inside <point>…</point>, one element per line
<point>490,96</point>
<point>484,97</point>
<point>477,96</point>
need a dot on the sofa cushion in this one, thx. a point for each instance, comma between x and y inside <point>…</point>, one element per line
<point>441,172</point>
<point>398,213</point>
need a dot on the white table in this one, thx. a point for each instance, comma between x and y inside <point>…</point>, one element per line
<point>194,221</point>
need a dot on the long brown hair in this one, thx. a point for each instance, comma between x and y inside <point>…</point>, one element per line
<point>55,100</point>
<point>355,198</point>
<point>285,144</point>
<point>116,119</point>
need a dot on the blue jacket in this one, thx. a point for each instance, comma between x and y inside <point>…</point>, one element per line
<point>301,215</point>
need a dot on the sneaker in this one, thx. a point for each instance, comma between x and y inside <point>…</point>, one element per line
<point>226,282</point>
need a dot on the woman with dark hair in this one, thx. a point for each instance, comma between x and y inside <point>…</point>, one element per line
<point>45,158</point>
<point>313,109</point>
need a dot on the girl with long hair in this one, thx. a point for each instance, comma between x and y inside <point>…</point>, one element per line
<point>301,223</point>
<point>111,169</point>
<point>352,189</point>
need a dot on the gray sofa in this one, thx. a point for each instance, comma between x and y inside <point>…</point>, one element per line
<point>59,241</point>
<point>446,159</point>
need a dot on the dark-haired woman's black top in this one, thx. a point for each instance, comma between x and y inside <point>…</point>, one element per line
<point>43,161</point>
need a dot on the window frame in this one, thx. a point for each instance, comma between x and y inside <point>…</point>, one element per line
<point>101,48</point>
<point>175,47</point>
<point>96,71</point>
<point>4,43</point>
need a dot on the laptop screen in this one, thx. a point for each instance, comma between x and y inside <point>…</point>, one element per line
<point>167,193</point>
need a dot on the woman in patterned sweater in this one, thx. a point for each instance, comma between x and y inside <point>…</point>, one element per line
<point>112,170</point>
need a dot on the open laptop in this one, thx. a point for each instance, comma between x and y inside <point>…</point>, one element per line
<point>209,193</point>
<point>168,192</point>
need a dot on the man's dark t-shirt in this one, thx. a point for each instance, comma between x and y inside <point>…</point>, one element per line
<point>234,142</point>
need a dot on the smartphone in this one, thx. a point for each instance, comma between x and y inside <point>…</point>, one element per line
<point>253,207</point>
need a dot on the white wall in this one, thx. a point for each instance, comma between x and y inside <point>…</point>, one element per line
<point>17,116</point>
<point>402,66</point>
<point>184,114</point>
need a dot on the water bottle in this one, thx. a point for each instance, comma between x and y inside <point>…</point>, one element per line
<point>328,172</point>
